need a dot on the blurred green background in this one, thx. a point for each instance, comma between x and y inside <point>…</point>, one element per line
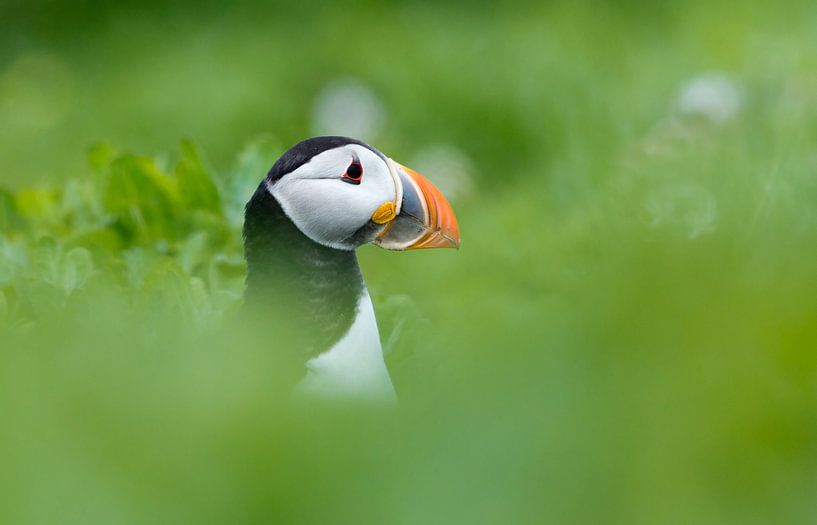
<point>628,334</point>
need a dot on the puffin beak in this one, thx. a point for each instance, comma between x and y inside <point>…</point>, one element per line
<point>424,218</point>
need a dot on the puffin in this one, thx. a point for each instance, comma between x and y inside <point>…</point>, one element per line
<point>320,201</point>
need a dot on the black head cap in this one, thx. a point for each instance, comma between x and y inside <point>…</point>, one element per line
<point>302,152</point>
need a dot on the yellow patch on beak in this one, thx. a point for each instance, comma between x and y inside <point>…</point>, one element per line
<point>386,212</point>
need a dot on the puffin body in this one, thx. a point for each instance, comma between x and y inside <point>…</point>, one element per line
<point>322,199</point>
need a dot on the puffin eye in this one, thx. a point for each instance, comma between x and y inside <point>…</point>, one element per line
<point>354,173</point>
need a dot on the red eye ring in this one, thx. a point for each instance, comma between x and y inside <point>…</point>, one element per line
<point>354,173</point>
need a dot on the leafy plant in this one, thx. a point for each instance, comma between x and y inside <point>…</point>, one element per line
<point>133,224</point>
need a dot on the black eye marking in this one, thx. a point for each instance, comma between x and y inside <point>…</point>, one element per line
<point>354,173</point>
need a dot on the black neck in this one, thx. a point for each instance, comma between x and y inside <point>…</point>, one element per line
<point>309,289</point>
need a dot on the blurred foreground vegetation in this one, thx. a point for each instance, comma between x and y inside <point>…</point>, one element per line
<point>627,335</point>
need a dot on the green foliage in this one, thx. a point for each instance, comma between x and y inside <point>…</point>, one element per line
<point>198,190</point>
<point>151,233</point>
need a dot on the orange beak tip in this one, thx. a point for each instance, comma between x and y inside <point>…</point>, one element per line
<point>445,231</point>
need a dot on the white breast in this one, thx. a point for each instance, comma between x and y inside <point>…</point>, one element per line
<point>353,369</point>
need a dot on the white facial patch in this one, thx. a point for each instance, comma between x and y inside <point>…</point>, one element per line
<point>324,207</point>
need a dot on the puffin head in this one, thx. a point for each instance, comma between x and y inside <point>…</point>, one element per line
<point>343,193</point>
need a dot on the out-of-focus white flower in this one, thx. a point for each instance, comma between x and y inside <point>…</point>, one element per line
<point>348,107</point>
<point>665,137</point>
<point>688,207</point>
<point>447,167</point>
<point>713,96</point>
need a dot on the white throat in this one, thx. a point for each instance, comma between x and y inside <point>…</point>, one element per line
<point>353,369</point>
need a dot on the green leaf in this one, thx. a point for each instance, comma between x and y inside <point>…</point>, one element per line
<point>253,164</point>
<point>399,321</point>
<point>196,186</point>
<point>141,198</point>
<point>138,262</point>
<point>194,251</point>
<point>76,269</point>
<point>39,205</point>
<point>9,216</point>
<point>97,240</point>
<point>13,257</point>
<point>167,288</point>
<point>45,260</point>
<point>80,205</point>
<point>100,155</point>
<point>7,267</point>
<point>227,274</point>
